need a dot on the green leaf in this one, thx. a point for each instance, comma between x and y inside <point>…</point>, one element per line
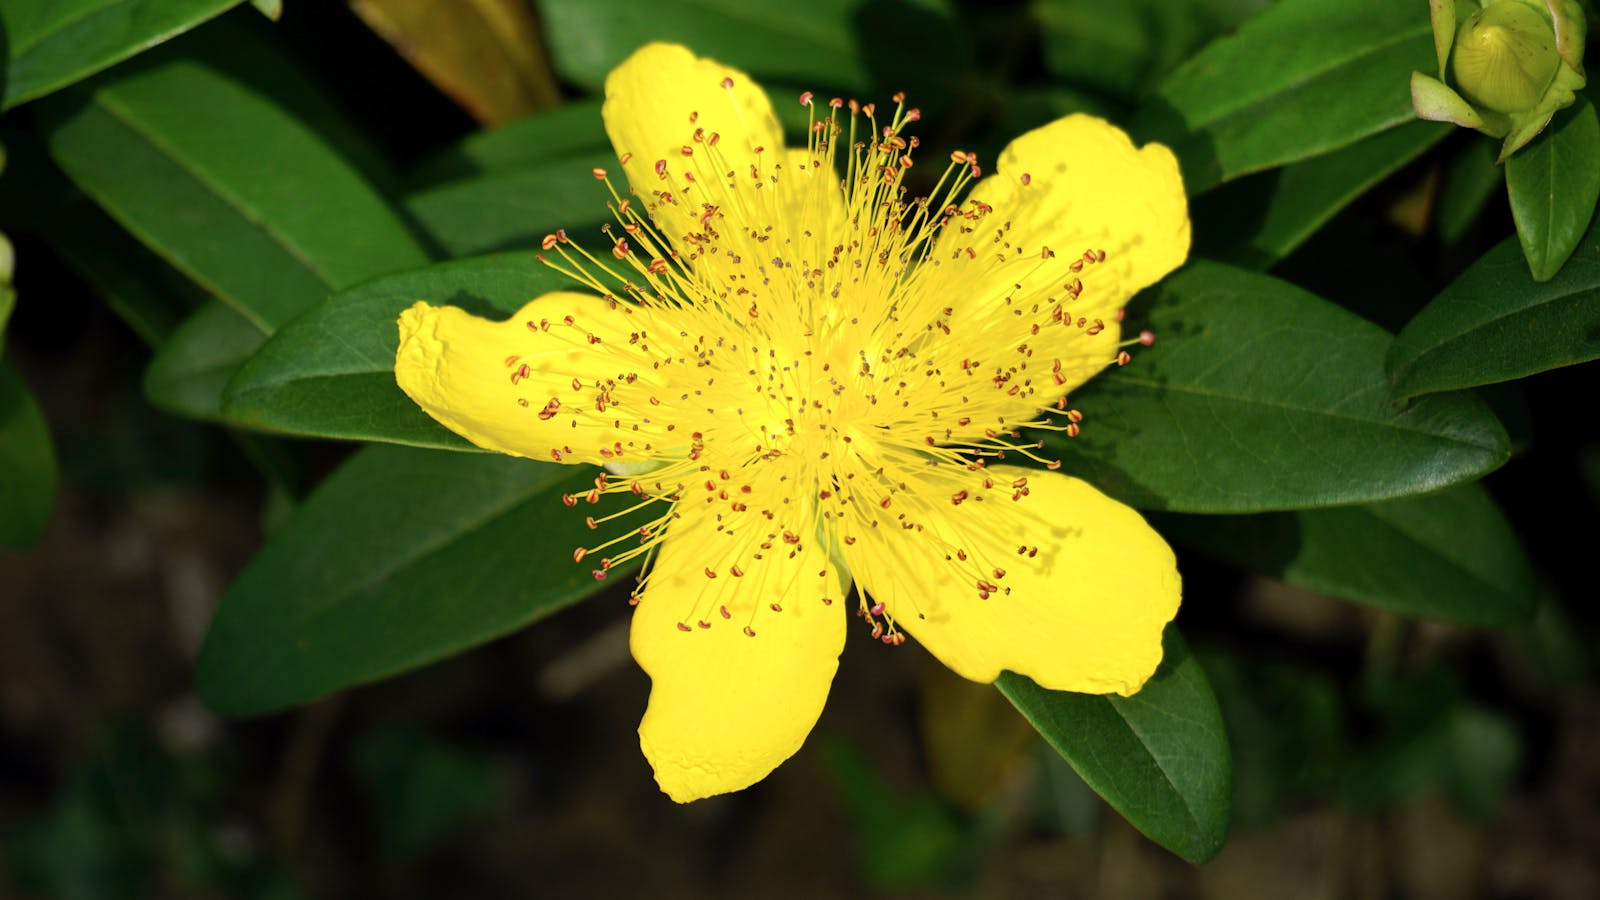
<point>1120,48</point>
<point>402,557</point>
<point>513,209</point>
<point>570,130</point>
<point>1260,396</point>
<point>811,43</point>
<point>1470,180</point>
<point>1553,184</point>
<point>191,368</point>
<point>244,198</point>
<point>1450,556</point>
<point>149,295</point>
<point>330,373</point>
<point>1302,78</point>
<point>51,43</point>
<point>1305,195</point>
<point>1159,757</point>
<point>1495,324</point>
<point>27,465</point>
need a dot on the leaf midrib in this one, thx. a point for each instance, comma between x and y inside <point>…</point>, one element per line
<point>128,119</point>
<point>1276,404</point>
<point>1278,94</point>
<point>1197,829</point>
<point>1407,365</point>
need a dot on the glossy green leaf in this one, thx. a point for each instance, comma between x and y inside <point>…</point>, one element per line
<point>1159,757</point>
<point>245,199</point>
<point>1553,184</point>
<point>51,43</point>
<point>513,209</point>
<point>804,43</point>
<point>1307,194</point>
<point>330,373</point>
<point>27,465</point>
<point>1495,323</point>
<point>1260,396</point>
<point>400,558</point>
<point>1451,556</point>
<point>149,295</point>
<point>193,365</point>
<point>1121,48</point>
<point>570,130</point>
<point>1302,78</point>
<point>1471,178</point>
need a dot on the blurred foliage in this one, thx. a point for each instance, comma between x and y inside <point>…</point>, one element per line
<point>258,192</point>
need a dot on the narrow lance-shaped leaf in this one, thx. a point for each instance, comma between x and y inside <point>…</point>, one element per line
<point>149,295</point>
<point>27,464</point>
<point>1471,178</point>
<point>51,43</point>
<point>400,558</point>
<point>195,362</point>
<point>513,209</point>
<point>1494,323</point>
<point>1306,194</point>
<point>1260,396</point>
<point>1450,556</point>
<point>812,43</point>
<point>1553,184</point>
<point>570,130</point>
<point>1159,757</point>
<point>1302,78</point>
<point>247,201</point>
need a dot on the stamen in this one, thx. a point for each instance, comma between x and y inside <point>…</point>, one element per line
<point>845,358</point>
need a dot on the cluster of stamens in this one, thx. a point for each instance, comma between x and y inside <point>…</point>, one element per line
<point>839,364</point>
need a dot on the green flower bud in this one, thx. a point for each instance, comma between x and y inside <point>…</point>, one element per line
<point>1505,66</point>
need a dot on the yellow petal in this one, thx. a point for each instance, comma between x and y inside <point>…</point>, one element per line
<point>1076,185</point>
<point>533,384</point>
<point>726,708</point>
<point>1083,614</point>
<point>662,101</point>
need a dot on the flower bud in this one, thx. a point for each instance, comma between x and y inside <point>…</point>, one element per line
<point>1505,66</point>
<point>1505,57</point>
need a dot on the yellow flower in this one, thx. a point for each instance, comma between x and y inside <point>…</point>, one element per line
<point>809,381</point>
